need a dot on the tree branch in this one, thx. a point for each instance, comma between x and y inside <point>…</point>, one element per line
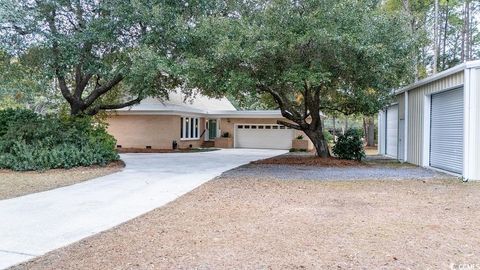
<point>335,109</point>
<point>286,109</point>
<point>98,108</point>
<point>306,96</point>
<point>81,84</point>
<point>314,108</point>
<point>98,91</point>
<point>56,59</point>
<point>288,124</point>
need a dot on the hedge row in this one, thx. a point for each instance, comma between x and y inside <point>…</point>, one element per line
<point>29,141</point>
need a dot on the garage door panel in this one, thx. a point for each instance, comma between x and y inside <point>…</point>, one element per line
<point>446,130</point>
<point>263,136</point>
<point>392,131</point>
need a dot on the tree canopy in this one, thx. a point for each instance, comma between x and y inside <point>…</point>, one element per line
<point>309,56</point>
<point>448,31</point>
<point>99,54</point>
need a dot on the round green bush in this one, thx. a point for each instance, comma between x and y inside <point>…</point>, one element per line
<point>350,145</point>
<point>29,141</point>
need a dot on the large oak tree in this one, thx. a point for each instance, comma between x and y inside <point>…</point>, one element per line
<point>99,54</point>
<point>310,56</point>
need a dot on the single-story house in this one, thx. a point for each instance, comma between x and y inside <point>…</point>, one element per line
<point>199,122</point>
<point>435,122</point>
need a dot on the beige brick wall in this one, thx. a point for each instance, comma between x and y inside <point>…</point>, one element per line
<point>157,131</point>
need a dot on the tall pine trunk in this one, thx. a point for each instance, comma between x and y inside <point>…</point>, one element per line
<point>435,38</point>
<point>445,36</point>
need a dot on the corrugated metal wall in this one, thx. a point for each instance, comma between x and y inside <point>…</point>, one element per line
<point>382,121</point>
<point>416,99</point>
<point>401,126</point>
<point>401,106</point>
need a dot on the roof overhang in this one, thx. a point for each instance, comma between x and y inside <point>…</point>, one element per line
<point>154,112</point>
<point>246,114</point>
<point>440,75</point>
<point>212,114</point>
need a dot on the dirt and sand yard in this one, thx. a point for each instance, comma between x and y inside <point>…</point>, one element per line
<point>14,184</point>
<point>259,220</point>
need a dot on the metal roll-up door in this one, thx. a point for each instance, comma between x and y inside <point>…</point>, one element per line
<point>392,131</point>
<point>446,131</point>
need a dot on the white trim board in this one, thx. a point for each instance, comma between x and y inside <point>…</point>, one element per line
<point>427,103</point>
<point>445,73</point>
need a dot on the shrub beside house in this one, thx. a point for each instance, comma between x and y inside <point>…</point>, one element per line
<point>29,141</point>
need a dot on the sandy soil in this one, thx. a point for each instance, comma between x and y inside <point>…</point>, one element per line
<point>247,223</point>
<point>14,184</point>
<point>371,151</point>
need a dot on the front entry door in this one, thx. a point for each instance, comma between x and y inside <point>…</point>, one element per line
<point>212,129</point>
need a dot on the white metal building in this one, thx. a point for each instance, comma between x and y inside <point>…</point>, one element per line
<point>435,122</point>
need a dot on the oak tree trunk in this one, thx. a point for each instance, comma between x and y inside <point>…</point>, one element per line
<point>370,132</point>
<point>334,128</point>
<point>318,140</point>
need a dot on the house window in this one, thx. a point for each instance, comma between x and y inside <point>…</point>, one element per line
<point>189,128</point>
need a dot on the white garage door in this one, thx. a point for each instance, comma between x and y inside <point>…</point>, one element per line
<point>392,131</point>
<point>446,134</point>
<point>263,136</point>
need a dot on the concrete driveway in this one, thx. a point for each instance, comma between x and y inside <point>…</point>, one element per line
<point>34,224</point>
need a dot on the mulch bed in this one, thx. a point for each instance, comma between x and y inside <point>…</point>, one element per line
<point>310,161</point>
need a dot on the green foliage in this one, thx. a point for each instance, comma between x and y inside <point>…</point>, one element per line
<point>300,137</point>
<point>104,53</point>
<point>32,142</point>
<point>310,56</point>
<point>10,117</point>
<point>328,136</point>
<point>451,38</point>
<point>21,84</point>
<point>350,51</point>
<point>350,145</point>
